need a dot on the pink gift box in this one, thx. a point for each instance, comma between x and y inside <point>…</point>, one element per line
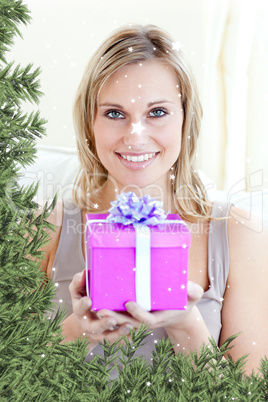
<point>111,263</point>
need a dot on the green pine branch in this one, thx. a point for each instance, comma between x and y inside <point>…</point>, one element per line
<point>18,85</point>
<point>12,13</point>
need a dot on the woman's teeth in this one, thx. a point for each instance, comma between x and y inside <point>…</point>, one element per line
<point>140,158</point>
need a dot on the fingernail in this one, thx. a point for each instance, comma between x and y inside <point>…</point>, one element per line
<point>87,302</point>
<point>111,323</point>
<point>129,306</point>
<point>100,316</point>
<point>190,287</point>
<point>194,288</point>
<point>127,328</point>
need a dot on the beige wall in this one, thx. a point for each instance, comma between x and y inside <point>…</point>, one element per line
<point>64,33</point>
<point>224,41</point>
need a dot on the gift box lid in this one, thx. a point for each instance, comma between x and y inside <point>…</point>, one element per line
<point>110,235</point>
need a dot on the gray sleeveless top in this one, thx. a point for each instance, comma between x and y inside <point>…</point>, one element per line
<point>69,260</point>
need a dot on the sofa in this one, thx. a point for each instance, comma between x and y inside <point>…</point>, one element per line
<point>55,169</point>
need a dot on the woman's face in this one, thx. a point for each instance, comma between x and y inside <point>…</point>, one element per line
<point>138,124</point>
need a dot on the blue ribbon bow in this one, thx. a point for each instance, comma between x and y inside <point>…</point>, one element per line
<point>129,209</point>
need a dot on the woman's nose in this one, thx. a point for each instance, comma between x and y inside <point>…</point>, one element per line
<point>136,135</point>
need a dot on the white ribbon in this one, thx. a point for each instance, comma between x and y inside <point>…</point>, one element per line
<point>143,266</point>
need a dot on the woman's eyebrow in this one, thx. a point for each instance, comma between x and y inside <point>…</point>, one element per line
<point>115,105</point>
<point>107,104</point>
<point>159,101</point>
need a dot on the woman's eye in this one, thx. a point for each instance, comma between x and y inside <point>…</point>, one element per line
<point>157,113</point>
<point>114,114</point>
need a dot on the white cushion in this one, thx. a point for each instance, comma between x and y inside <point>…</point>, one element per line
<point>55,168</point>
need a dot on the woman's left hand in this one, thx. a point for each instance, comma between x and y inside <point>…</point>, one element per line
<point>168,319</point>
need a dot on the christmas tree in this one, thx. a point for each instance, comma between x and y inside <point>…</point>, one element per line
<point>28,338</point>
<point>34,365</point>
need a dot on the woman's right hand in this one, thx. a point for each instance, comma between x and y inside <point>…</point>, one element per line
<point>85,322</point>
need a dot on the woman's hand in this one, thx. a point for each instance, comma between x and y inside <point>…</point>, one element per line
<point>97,326</point>
<point>169,319</point>
<point>111,325</point>
<point>185,328</point>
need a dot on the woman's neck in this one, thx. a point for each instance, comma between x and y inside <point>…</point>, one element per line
<point>103,197</point>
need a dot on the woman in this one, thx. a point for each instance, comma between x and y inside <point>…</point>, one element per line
<point>137,116</point>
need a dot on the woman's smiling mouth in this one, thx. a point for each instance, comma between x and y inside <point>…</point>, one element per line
<point>137,161</point>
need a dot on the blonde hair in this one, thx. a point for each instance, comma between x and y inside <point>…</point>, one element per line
<point>148,43</point>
